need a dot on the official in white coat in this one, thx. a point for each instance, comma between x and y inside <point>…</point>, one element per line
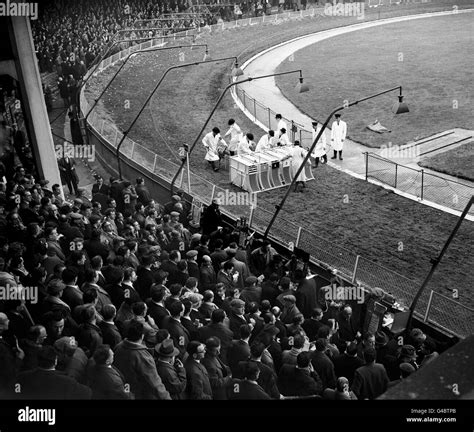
<point>298,155</point>
<point>213,142</point>
<point>281,123</point>
<point>235,135</point>
<point>246,144</point>
<point>266,142</point>
<point>320,150</point>
<point>338,135</point>
<point>284,140</point>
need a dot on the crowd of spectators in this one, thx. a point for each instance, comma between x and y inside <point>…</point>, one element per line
<point>123,297</point>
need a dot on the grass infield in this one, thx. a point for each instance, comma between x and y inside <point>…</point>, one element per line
<point>381,226</point>
<point>458,162</point>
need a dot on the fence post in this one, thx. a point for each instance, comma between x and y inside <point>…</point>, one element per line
<point>243,98</point>
<point>366,165</point>
<point>213,192</point>
<point>422,183</point>
<point>255,109</point>
<point>133,150</point>
<point>396,174</point>
<point>298,237</point>
<point>269,119</point>
<point>428,307</point>
<point>154,163</point>
<point>292,131</point>
<point>252,209</point>
<point>354,275</point>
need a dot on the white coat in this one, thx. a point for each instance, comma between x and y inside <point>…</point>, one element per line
<point>235,135</point>
<point>284,140</point>
<point>297,157</point>
<point>244,146</point>
<point>263,143</point>
<point>338,134</point>
<point>281,125</point>
<point>321,146</point>
<point>211,143</point>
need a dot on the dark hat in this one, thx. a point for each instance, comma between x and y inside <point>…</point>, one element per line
<point>407,367</point>
<point>408,351</point>
<point>43,182</point>
<point>271,329</point>
<point>314,123</point>
<point>237,303</point>
<point>176,198</point>
<point>166,349</point>
<point>337,115</point>
<point>174,213</point>
<point>76,216</point>
<point>289,298</point>
<point>191,254</point>
<point>251,280</point>
<point>381,338</point>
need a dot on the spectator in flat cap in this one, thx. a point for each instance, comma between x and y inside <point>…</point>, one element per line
<point>105,380</point>
<point>219,373</point>
<point>405,370</point>
<point>251,292</point>
<point>239,266</point>
<point>370,380</point>
<point>290,309</point>
<point>46,382</point>
<point>199,386</point>
<point>171,369</point>
<point>193,267</point>
<point>72,360</point>
<point>237,317</point>
<point>137,365</point>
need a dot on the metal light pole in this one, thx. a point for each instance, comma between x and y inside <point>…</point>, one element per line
<point>401,107</point>
<point>436,261</point>
<point>136,53</point>
<point>117,153</point>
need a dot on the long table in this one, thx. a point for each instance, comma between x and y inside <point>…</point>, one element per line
<point>270,169</point>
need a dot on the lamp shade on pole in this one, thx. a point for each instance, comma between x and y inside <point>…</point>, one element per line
<point>400,107</point>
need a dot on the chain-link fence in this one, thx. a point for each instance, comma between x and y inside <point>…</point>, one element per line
<point>425,186</point>
<point>435,308</point>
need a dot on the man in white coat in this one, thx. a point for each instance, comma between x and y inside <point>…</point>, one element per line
<point>320,150</point>
<point>266,142</point>
<point>281,123</point>
<point>246,144</point>
<point>338,135</point>
<point>284,140</point>
<point>297,157</point>
<point>235,135</point>
<point>212,142</point>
